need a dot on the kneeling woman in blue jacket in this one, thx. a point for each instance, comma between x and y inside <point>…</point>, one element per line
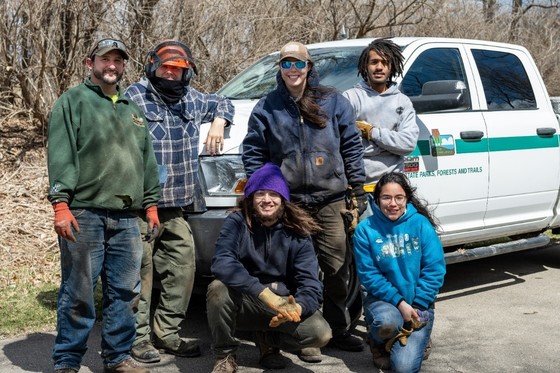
<point>401,265</point>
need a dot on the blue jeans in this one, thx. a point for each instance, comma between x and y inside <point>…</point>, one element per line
<point>108,245</point>
<point>384,321</point>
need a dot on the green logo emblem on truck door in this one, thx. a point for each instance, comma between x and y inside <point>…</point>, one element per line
<point>441,145</point>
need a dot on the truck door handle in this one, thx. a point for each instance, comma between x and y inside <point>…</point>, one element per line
<point>471,135</point>
<point>546,131</point>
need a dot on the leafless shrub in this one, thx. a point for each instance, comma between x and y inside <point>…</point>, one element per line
<point>43,44</point>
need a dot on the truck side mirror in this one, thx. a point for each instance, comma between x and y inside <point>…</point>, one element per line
<point>442,95</point>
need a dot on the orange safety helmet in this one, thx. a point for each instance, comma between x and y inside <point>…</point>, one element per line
<point>171,53</point>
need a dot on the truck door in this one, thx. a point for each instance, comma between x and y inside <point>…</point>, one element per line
<point>523,139</point>
<point>450,164</point>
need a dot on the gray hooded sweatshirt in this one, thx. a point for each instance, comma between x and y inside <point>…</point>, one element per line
<point>395,131</point>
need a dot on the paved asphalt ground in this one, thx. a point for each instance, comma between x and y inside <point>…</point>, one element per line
<point>493,315</point>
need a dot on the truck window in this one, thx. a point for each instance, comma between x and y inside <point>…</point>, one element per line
<point>336,68</point>
<point>505,81</point>
<point>433,64</point>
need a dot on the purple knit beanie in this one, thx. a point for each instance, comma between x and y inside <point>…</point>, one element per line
<point>268,177</point>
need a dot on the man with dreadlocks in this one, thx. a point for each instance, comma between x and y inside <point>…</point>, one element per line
<point>384,115</point>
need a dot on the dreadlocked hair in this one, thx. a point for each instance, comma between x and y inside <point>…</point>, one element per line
<point>308,104</point>
<point>387,49</point>
<point>410,191</point>
<point>293,217</point>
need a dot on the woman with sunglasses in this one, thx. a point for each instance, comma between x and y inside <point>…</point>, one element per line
<point>309,131</point>
<point>401,266</point>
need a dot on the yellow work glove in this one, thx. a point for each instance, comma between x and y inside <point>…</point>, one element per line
<point>365,128</point>
<point>287,308</point>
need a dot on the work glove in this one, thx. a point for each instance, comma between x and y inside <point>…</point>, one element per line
<point>408,328</point>
<point>153,223</point>
<point>279,319</point>
<point>287,308</point>
<point>359,200</point>
<point>402,337</point>
<point>365,129</point>
<point>64,221</point>
<point>423,318</point>
<point>350,218</point>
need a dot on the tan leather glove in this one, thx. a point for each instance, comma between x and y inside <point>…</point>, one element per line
<point>287,308</point>
<point>402,337</point>
<point>405,332</point>
<point>279,319</point>
<point>365,128</point>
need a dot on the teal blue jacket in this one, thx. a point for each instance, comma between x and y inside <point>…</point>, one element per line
<point>400,259</point>
<point>99,153</point>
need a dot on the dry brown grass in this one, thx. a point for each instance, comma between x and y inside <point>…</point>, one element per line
<point>29,256</point>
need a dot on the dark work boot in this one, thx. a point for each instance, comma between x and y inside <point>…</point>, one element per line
<point>270,357</point>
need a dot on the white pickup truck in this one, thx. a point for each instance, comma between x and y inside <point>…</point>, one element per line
<point>488,155</point>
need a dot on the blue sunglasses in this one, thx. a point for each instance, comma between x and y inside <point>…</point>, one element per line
<point>288,64</point>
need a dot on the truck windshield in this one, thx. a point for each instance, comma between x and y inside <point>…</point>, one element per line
<point>336,68</point>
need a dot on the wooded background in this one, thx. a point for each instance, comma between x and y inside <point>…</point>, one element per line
<point>43,44</point>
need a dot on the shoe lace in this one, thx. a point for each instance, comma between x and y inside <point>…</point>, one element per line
<point>227,364</point>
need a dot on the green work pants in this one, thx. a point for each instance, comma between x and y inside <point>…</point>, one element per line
<point>170,258</point>
<point>229,310</point>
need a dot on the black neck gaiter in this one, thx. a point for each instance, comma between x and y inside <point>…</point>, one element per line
<point>170,91</point>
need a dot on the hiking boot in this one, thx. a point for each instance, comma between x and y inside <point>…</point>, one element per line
<point>381,358</point>
<point>178,348</point>
<point>347,342</point>
<point>127,366</point>
<point>145,352</point>
<point>66,370</point>
<point>270,356</point>
<point>225,365</point>
<point>310,355</point>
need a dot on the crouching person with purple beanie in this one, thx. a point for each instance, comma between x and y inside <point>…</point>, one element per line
<point>267,276</point>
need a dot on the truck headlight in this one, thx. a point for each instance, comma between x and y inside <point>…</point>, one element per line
<point>222,175</point>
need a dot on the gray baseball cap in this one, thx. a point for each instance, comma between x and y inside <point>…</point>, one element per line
<point>104,46</point>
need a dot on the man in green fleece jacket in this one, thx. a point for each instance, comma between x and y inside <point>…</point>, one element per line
<point>102,175</point>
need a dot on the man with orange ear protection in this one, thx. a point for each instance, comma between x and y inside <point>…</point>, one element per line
<point>175,111</point>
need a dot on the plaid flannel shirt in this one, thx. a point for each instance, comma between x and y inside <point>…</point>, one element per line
<point>175,130</point>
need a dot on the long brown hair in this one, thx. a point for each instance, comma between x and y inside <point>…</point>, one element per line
<point>294,217</point>
<point>308,104</point>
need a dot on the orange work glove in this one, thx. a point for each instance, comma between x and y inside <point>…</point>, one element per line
<point>64,221</point>
<point>153,223</point>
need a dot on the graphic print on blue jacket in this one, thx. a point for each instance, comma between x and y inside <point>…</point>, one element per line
<point>400,259</point>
